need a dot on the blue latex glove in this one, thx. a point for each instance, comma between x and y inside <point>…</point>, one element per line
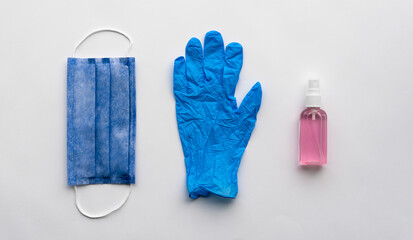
<point>214,131</point>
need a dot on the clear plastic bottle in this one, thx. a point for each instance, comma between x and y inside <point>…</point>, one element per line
<point>313,128</point>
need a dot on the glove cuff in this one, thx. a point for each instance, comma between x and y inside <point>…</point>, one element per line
<point>205,190</point>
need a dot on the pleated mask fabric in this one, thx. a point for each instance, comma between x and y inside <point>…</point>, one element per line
<point>101,120</point>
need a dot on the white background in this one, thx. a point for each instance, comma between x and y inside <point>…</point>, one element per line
<point>361,50</point>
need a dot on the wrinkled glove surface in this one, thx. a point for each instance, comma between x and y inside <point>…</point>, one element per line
<point>214,132</point>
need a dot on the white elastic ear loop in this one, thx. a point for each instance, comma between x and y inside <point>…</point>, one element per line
<point>104,214</point>
<point>105,30</point>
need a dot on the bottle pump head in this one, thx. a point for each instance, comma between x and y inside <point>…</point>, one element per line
<point>313,93</point>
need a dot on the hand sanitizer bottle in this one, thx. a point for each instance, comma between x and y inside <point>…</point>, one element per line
<point>313,128</point>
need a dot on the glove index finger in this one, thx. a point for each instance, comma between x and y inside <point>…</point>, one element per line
<point>232,68</point>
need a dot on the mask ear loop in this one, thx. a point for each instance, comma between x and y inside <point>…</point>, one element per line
<point>104,214</point>
<point>130,185</point>
<point>105,30</point>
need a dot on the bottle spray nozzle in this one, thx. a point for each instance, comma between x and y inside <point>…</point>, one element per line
<point>313,84</point>
<point>313,93</point>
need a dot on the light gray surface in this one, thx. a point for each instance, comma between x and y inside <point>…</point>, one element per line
<point>361,50</point>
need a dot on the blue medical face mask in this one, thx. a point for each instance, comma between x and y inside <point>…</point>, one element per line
<point>101,121</point>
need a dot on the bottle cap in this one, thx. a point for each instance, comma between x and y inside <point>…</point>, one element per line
<point>313,94</point>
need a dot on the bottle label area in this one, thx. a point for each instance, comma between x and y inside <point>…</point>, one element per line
<point>313,137</point>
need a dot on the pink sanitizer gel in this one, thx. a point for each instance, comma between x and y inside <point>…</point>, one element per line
<point>313,128</point>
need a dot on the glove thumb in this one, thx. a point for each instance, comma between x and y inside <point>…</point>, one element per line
<point>251,103</point>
